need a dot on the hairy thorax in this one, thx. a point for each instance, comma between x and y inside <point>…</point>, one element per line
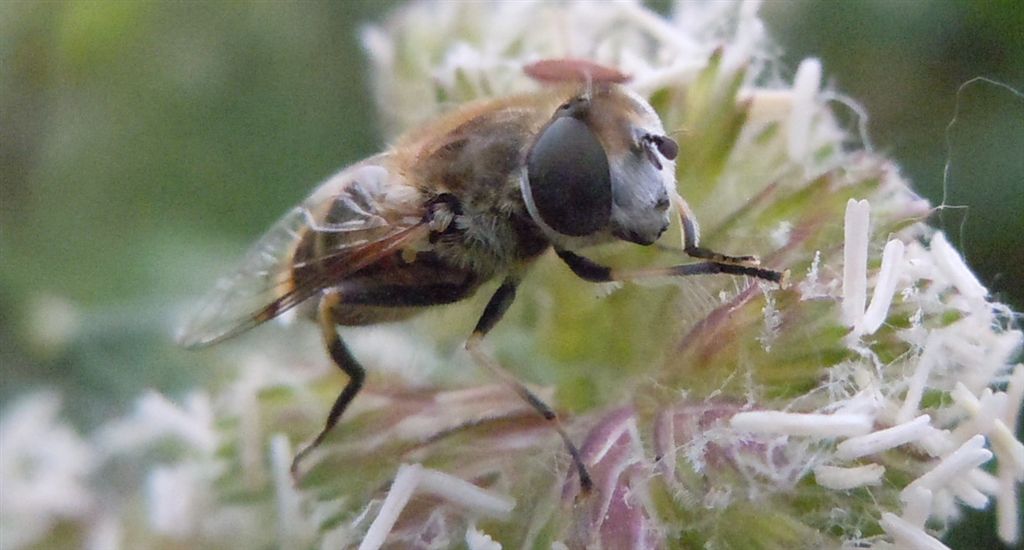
<point>474,177</point>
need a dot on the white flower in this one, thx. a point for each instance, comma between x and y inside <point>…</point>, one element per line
<point>45,468</point>
<point>156,418</point>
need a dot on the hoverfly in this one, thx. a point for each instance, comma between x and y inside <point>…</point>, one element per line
<point>477,194</point>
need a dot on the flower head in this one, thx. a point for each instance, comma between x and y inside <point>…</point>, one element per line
<point>862,406</point>
<point>880,384</point>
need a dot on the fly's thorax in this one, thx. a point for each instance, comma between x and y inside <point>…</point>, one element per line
<point>471,174</point>
<point>489,237</point>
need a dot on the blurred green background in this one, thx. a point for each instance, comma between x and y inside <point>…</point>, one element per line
<point>144,144</point>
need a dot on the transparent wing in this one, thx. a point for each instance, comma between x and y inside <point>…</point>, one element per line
<point>354,219</point>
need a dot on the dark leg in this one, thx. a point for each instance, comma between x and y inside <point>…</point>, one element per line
<point>691,238</point>
<point>592,271</point>
<point>348,364</point>
<point>381,295</point>
<point>495,309</point>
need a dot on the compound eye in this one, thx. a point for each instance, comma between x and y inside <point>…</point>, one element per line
<point>569,178</point>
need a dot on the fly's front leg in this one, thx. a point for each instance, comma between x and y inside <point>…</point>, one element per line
<point>592,271</point>
<point>343,359</point>
<point>691,239</point>
<point>495,309</point>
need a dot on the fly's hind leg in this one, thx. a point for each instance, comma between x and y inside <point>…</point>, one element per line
<point>343,359</point>
<point>493,313</point>
<point>378,294</point>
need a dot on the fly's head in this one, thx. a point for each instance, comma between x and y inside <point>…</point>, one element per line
<point>601,168</point>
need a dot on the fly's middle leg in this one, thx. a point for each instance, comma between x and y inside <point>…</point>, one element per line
<point>493,312</point>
